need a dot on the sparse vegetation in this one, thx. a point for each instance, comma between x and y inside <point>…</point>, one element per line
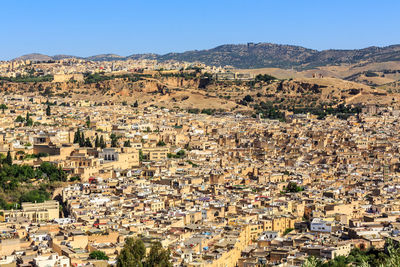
<point>134,254</point>
<point>264,78</point>
<point>28,79</point>
<point>389,257</point>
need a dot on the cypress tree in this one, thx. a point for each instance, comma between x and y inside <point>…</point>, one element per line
<point>8,159</point>
<point>77,136</point>
<point>88,121</point>
<point>82,140</point>
<point>88,143</point>
<point>102,143</point>
<point>96,141</point>
<point>28,120</point>
<point>48,112</point>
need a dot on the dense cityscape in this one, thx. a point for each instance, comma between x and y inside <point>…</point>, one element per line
<point>199,134</point>
<point>80,178</point>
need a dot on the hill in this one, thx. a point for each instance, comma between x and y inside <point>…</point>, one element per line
<point>261,55</point>
<point>267,55</point>
<point>272,98</point>
<point>34,57</point>
<point>106,57</point>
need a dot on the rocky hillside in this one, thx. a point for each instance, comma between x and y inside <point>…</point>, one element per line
<point>272,98</point>
<point>263,55</point>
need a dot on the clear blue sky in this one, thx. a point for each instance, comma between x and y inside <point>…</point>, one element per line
<point>89,27</point>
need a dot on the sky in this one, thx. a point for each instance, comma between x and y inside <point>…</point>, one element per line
<point>90,27</point>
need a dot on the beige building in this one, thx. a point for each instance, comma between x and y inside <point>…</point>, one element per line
<point>68,77</point>
<point>155,153</point>
<point>37,212</point>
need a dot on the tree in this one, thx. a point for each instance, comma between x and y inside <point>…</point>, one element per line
<point>61,175</point>
<point>19,119</point>
<point>96,141</point>
<point>52,172</point>
<point>28,120</point>
<point>102,143</point>
<point>38,196</point>
<point>248,98</point>
<point>158,256</point>
<point>114,140</point>
<point>127,143</point>
<point>292,187</point>
<point>208,111</point>
<point>88,143</point>
<point>88,121</point>
<point>82,140</point>
<point>390,257</point>
<point>268,110</point>
<point>136,104</point>
<point>47,92</point>
<point>48,112</point>
<point>161,143</point>
<point>264,77</point>
<point>126,259</point>
<point>98,255</point>
<point>137,248</point>
<point>287,230</point>
<point>3,107</point>
<point>181,153</point>
<point>141,156</point>
<point>312,262</point>
<point>77,136</point>
<point>8,159</point>
<point>132,254</point>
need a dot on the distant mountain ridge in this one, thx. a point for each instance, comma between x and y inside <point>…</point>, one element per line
<point>256,55</point>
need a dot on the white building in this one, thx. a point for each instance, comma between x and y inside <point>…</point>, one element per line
<point>320,225</point>
<point>109,154</point>
<point>51,261</point>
